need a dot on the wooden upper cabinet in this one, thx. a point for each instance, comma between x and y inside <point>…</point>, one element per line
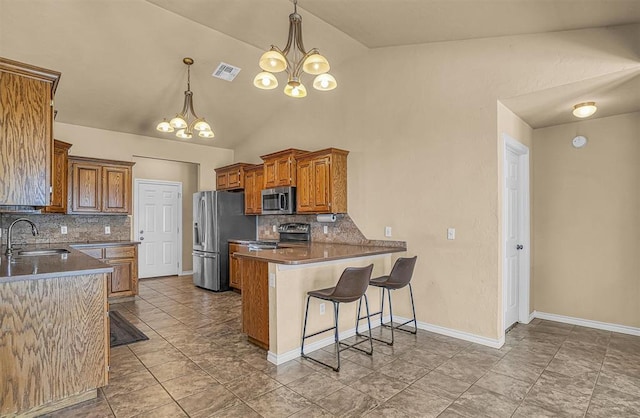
<point>26,139</point>
<point>231,177</point>
<point>59,177</point>
<point>116,189</point>
<point>253,185</point>
<point>99,186</point>
<point>280,168</point>
<point>322,181</point>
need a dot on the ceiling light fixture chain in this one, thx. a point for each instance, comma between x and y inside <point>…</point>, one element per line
<point>187,120</point>
<point>294,59</point>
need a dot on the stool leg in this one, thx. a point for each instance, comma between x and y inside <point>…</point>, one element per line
<point>358,317</point>
<point>413,308</point>
<point>382,306</point>
<point>337,344</point>
<point>390,315</point>
<point>304,328</point>
<point>366,302</point>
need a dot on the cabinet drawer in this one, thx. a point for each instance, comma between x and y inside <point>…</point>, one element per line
<point>119,252</point>
<point>92,252</point>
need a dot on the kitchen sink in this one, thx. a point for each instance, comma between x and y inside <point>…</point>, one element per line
<point>43,251</point>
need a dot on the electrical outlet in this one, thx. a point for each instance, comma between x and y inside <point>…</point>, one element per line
<point>322,308</point>
<point>451,233</point>
<point>387,231</point>
<point>63,229</point>
<point>107,229</point>
<point>325,229</point>
<point>275,228</point>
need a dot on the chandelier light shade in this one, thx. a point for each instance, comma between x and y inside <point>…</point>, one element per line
<point>186,122</point>
<point>584,110</point>
<point>294,60</point>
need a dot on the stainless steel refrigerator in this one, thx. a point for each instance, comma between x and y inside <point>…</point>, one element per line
<point>217,217</point>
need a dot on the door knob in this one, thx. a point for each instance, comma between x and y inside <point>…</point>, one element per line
<point>519,247</point>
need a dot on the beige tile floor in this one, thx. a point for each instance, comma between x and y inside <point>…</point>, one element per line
<point>197,363</point>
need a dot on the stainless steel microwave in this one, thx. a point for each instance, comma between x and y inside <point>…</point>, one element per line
<point>279,201</point>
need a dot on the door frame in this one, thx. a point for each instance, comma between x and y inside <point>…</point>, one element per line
<point>138,182</point>
<point>524,221</point>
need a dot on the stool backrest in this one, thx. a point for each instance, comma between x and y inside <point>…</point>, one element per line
<point>353,282</point>
<point>402,271</point>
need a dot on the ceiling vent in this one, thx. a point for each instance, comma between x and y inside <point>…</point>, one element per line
<point>226,71</point>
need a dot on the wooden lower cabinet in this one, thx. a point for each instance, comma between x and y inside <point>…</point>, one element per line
<point>235,279</point>
<point>255,301</point>
<point>123,282</point>
<point>54,344</point>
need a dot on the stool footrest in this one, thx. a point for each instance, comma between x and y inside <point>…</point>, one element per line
<point>410,331</point>
<point>318,333</point>
<point>335,369</point>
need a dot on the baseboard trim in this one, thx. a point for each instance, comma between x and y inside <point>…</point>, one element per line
<point>185,273</point>
<point>623,329</point>
<point>461,335</point>
<point>317,345</point>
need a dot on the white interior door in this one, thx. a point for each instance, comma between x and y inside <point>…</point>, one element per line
<point>516,233</point>
<point>158,217</point>
<point>512,237</point>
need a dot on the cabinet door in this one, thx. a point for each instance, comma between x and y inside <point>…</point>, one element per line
<point>304,200</point>
<point>321,182</point>
<point>87,188</point>
<point>249,192</point>
<point>25,140</point>
<point>255,300</point>
<point>235,280</point>
<point>257,191</point>
<point>116,189</point>
<point>283,172</point>
<point>123,281</point>
<point>59,172</point>
<point>270,174</point>
<point>235,179</point>
<point>222,180</point>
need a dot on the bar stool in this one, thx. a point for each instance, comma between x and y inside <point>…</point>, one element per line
<point>399,277</point>
<point>351,286</point>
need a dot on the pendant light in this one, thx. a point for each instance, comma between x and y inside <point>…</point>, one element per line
<point>186,122</point>
<point>294,60</point>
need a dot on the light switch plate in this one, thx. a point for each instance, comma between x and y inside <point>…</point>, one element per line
<point>107,230</point>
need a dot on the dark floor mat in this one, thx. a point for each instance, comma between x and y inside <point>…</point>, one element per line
<point>122,331</point>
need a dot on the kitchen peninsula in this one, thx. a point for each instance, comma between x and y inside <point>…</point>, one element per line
<point>275,283</point>
<point>54,345</point>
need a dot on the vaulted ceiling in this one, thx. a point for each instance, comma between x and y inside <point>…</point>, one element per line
<point>122,60</point>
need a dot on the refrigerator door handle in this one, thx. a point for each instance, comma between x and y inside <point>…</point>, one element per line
<point>202,230</point>
<point>203,255</point>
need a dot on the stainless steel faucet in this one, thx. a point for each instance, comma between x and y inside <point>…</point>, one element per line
<point>34,231</point>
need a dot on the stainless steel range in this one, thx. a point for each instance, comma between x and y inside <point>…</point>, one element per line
<point>295,232</point>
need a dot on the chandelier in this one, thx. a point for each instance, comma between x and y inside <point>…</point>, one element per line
<point>187,121</point>
<point>294,59</point>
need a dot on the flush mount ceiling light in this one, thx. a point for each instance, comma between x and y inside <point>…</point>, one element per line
<point>187,121</point>
<point>584,110</point>
<point>294,59</point>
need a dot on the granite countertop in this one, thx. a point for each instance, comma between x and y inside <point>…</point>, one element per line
<point>314,253</point>
<point>75,263</point>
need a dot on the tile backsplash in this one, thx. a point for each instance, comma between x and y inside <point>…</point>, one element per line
<point>342,231</point>
<point>80,228</point>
